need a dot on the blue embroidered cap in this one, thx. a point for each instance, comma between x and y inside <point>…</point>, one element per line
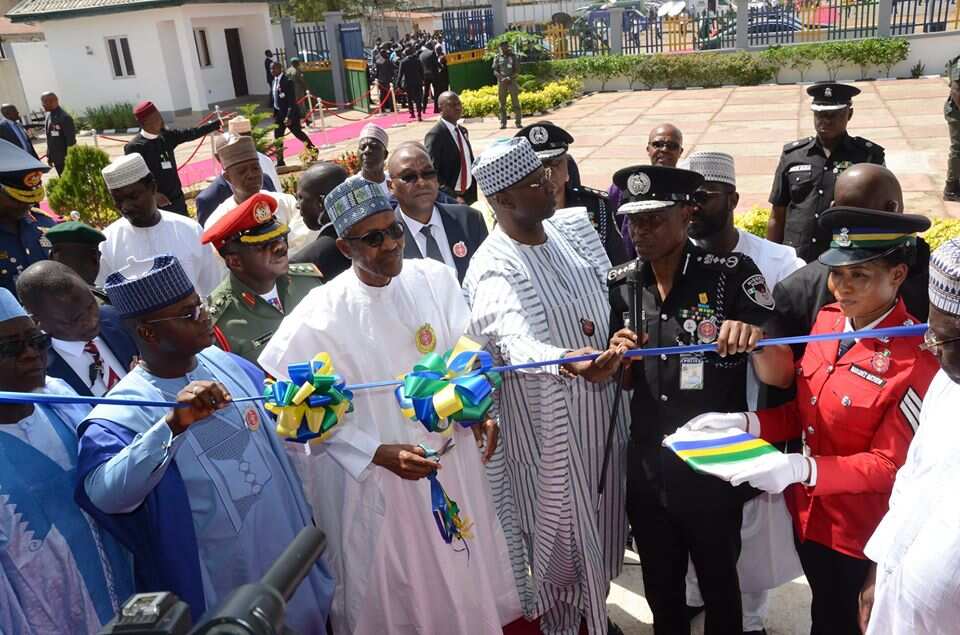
<point>145,286</point>
<point>945,277</point>
<point>352,201</point>
<point>9,307</point>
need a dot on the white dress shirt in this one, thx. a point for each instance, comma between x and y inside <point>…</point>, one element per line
<point>79,362</point>
<point>468,155</point>
<point>438,232</point>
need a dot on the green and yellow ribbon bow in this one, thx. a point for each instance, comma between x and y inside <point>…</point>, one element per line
<point>311,404</point>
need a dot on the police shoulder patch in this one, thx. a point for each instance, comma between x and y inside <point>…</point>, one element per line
<point>799,143</point>
<point>756,289</point>
<point>305,269</point>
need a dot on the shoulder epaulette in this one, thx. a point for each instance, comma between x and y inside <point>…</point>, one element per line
<point>799,143</point>
<point>305,269</point>
<point>218,302</point>
<point>866,144</point>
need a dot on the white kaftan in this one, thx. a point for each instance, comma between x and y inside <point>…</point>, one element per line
<point>535,303</point>
<point>394,572</point>
<point>917,544</point>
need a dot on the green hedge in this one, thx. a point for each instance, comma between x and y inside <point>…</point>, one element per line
<point>680,70</point>
<point>484,101</point>
<point>109,117</point>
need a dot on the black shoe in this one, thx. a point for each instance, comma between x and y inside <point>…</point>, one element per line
<point>693,611</point>
<point>503,126</point>
<point>519,125</point>
<point>613,629</point>
<point>951,191</point>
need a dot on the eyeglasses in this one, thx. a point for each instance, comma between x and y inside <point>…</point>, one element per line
<point>374,239</point>
<point>673,146</point>
<point>930,342</point>
<point>426,175</point>
<point>193,316</point>
<point>702,197</point>
<point>14,348</point>
<point>541,182</point>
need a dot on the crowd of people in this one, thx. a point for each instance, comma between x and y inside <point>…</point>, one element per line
<point>566,466</point>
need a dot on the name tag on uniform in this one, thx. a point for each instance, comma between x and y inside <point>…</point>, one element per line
<point>691,373</point>
<point>800,168</point>
<point>166,165</point>
<point>54,133</point>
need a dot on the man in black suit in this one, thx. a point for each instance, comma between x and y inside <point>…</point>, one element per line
<point>286,112</point>
<point>450,234</point>
<point>410,79</point>
<point>449,146</point>
<point>13,131</point>
<point>431,72</point>
<point>317,181</point>
<point>90,350</point>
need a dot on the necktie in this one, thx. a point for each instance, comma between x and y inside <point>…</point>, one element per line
<point>96,368</point>
<point>433,249</point>
<point>845,345</point>
<point>463,162</point>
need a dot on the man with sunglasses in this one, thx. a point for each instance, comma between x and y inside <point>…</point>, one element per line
<point>537,289</point>
<point>91,349</point>
<point>59,572</point>
<point>371,496</point>
<point>911,589</point>
<point>446,233</point>
<point>686,296</point>
<point>262,287</point>
<point>203,494</point>
<point>768,558</point>
<point>808,169</point>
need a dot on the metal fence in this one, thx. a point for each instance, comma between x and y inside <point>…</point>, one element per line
<point>467,30</point>
<point>586,37</point>
<point>916,16</point>
<point>312,43</point>
<point>658,34</point>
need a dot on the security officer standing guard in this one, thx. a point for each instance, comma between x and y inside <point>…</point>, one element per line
<point>684,295</point>
<point>803,183</point>
<point>551,144</point>
<point>22,239</point>
<point>951,112</point>
<point>262,286</point>
<point>506,67</point>
<point>59,129</point>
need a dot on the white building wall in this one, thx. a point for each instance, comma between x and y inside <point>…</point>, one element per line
<point>11,89</point>
<point>36,73</point>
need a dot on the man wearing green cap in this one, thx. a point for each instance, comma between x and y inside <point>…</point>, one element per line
<point>77,245</point>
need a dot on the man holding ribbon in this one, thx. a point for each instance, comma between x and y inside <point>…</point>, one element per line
<point>202,494</point>
<point>373,482</point>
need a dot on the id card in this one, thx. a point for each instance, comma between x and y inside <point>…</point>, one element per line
<point>691,373</point>
<point>166,165</point>
<point>54,133</point>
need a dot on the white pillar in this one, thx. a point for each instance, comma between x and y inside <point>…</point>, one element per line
<point>616,31</point>
<point>332,21</point>
<point>196,87</point>
<point>499,17</point>
<point>743,15</point>
<point>884,17</point>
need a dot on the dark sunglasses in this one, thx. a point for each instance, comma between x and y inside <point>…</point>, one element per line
<point>426,175</point>
<point>701,197</point>
<point>669,145</point>
<point>375,238</point>
<point>14,348</point>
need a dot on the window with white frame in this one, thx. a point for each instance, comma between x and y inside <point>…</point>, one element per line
<point>203,50</point>
<point>121,62</point>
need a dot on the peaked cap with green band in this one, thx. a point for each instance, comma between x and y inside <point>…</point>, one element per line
<point>861,235</point>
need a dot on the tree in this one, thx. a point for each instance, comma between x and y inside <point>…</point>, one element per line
<point>313,10</point>
<point>81,187</point>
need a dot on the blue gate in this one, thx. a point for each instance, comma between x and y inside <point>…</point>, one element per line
<point>355,67</point>
<point>351,41</point>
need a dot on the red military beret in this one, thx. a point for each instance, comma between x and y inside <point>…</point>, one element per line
<point>250,222</point>
<point>143,110</point>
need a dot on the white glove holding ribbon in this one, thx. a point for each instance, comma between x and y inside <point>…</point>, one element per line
<point>775,472</point>
<point>746,421</point>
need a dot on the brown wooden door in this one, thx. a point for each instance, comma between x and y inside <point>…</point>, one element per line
<point>237,69</point>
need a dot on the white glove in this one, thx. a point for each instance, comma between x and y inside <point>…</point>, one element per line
<point>775,472</point>
<point>723,421</point>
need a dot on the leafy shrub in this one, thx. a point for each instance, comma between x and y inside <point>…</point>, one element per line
<point>527,46</point>
<point>265,144</point>
<point>349,161</point>
<point>942,230</point>
<point>289,184</point>
<point>81,187</point>
<point>753,221</point>
<point>484,102</point>
<point>110,117</point>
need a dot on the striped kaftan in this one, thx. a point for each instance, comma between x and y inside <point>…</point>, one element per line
<point>535,303</point>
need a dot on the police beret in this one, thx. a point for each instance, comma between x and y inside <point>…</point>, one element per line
<point>861,235</point>
<point>548,140</point>
<point>831,95</point>
<point>251,222</point>
<point>649,188</point>
<point>74,232</point>
<point>21,176</point>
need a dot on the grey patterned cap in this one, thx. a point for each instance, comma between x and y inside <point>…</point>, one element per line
<point>505,163</point>
<point>945,277</point>
<point>145,286</point>
<point>716,167</point>
<point>352,201</point>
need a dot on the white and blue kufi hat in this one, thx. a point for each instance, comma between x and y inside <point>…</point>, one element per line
<point>352,201</point>
<point>145,286</point>
<point>504,164</point>
<point>9,307</point>
<point>945,277</point>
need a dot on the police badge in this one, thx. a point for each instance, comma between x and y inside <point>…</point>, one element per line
<point>638,184</point>
<point>756,289</point>
<point>539,135</point>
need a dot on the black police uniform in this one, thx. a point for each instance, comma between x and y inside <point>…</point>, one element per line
<point>549,142</point>
<point>805,176</point>
<point>674,510</point>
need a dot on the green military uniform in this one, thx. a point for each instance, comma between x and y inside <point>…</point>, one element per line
<point>951,112</point>
<point>244,322</point>
<point>505,69</point>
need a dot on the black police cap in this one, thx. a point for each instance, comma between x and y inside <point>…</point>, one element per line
<point>861,235</point>
<point>648,188</point>
<point>831,95</point>
<point>548,141</point>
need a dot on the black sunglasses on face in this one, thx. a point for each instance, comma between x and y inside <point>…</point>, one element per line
<point>14,348</point>
<point>375,238</point>
<point>426,175</point>
<point>669,145</point>
<point>701,197</point>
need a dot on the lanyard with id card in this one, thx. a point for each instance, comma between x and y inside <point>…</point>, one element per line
<point>691,372</point>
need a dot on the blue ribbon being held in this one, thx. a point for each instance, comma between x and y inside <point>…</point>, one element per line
<point>446,512</point>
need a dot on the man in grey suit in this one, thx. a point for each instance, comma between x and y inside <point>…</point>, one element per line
<point>450,234</point>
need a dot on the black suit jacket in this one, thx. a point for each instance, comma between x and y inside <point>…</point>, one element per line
<point>8,133</point>
<point>462,224</point>
<point>285,100</point>
<point>445,155</point>
<point>114,336</point>
<point>411,74</point>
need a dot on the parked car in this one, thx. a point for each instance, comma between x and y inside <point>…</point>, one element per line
<point>762,27</point>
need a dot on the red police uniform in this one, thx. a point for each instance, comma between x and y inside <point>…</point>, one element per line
<point>857,416</point>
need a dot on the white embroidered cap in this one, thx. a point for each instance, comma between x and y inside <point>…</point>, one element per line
<point>714,166</point>
<point>373,131</point>
<point>945,277</point>
<point>505,163</point>
<point>125,171</point>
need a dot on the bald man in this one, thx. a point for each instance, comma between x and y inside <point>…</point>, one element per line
<point>317,181</point>
<point>60,131</point>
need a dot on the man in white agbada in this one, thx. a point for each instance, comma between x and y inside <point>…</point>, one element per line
<point>145,231</point>
<point>537,289</point>
<point>767,555</point>
<point>912,589</point>
<point>394,572</point>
